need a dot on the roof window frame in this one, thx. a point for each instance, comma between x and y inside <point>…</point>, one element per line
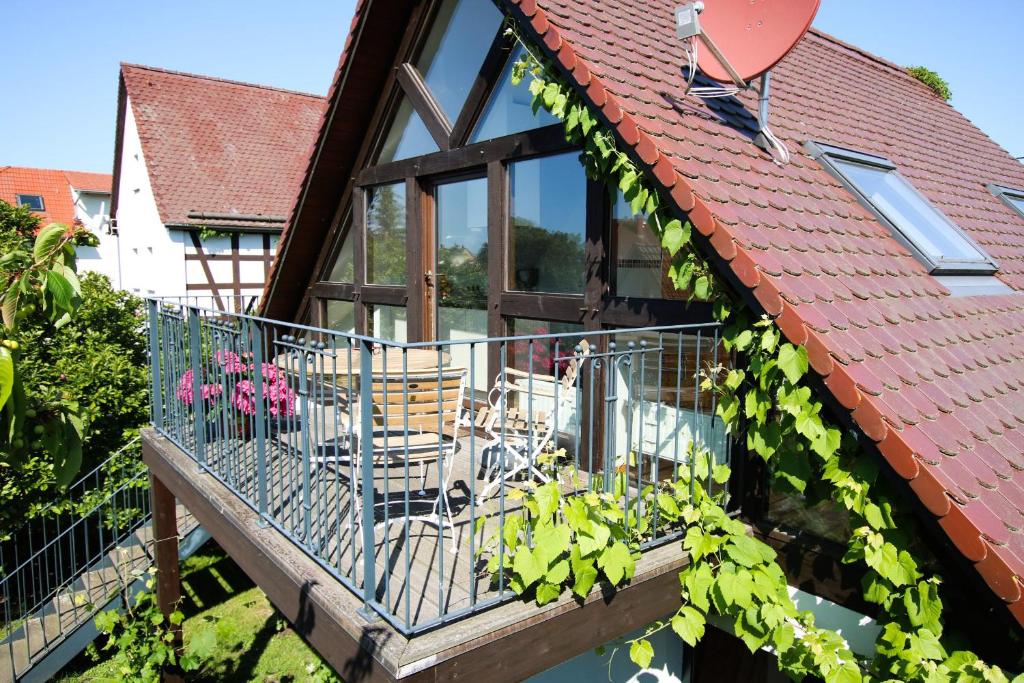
<point>826,155</point>
<point>1008,195</point>
<point>18,198</point>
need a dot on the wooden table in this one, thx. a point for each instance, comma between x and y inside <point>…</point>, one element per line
<point>344,362</point>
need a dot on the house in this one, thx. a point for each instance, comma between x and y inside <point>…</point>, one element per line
<point>68,197</point>
<point>446,242</point>
<point>205,170</point>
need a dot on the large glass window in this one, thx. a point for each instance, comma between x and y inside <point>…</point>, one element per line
<point>387,322</point>
<point>509,109</point>
<point>641,264</point>
<point>385,234</point>
<point>548,226</point>
<point>408,136</point>
<point>898,202</point>
<point>343,268</point>
<point>455,49</point>
<point>340,315</point>
<point>461,225</point>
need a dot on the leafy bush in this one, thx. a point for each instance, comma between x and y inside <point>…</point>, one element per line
<point>87,370</point>
<point>933,80</point>
<point>144,641</point>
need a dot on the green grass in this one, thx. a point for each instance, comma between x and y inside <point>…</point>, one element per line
<point>254,642</point>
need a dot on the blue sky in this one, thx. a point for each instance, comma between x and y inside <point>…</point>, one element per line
<point>67,70</point>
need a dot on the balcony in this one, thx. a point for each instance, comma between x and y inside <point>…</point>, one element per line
<point>396,467</point>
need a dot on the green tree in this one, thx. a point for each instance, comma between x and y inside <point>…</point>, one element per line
<point>83,374</point>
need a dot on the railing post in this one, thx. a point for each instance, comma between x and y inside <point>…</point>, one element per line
<point>156,399</point>
<point>256,337</point>
<point>196,365</point>
<point>366,463</point>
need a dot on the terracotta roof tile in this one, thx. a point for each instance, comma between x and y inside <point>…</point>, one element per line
<point>933,378</point>
<point>53,185</point>
<point>218,146</point>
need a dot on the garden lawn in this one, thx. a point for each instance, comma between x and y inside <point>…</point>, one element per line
<point>254,642</point>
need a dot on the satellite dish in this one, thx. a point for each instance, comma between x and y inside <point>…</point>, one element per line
<point>743,39</point>
<point>753,35</point>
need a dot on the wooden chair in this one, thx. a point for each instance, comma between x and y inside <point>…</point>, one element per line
<point>416,420</point>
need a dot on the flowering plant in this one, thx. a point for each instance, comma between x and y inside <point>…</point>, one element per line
<point>238,374</point>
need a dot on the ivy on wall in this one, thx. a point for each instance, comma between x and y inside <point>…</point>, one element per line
<point>569,542</point>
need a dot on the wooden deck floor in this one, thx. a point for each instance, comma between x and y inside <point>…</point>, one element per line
<point>423,571</point>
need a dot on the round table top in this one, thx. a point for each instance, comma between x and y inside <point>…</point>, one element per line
<point>343,362</point>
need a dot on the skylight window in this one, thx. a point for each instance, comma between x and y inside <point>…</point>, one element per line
<point>1013,198</point>
<point>34,202</point>
<point>927,232</point>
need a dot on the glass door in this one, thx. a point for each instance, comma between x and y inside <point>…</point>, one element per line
<point>460,286</point>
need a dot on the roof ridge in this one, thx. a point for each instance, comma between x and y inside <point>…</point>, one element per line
<point>11,167</point>
<point>217,79</point>
<point>859,50</point>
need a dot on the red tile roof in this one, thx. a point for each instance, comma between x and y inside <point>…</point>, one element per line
<point>220,147</point>
<point>54,186</point>
<point>937,382</point>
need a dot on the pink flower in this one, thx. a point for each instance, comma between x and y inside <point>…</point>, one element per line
<point>230,361</point>
<point>184,392</point>
<point>279,397</point>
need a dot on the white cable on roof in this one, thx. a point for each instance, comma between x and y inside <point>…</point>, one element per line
<point>776,147</point>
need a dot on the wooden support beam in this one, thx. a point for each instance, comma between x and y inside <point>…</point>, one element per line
<point>165,548</point>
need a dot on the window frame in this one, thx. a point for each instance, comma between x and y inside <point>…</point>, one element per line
<point>20,200</point>
<point>1008,195</point>
<point>827,155</point>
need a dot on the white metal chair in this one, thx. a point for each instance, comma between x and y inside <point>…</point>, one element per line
<point>516,432</point>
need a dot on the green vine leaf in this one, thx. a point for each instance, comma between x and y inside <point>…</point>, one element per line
<point>793,362</point>
<point>641,652</point>
<point>688,624</point>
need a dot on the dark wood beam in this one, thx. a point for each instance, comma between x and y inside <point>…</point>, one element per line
<point>483,85</point>
<point>426,106</point>
<point>547,140</point>
<point>560,307</point>
<point>165,549</point>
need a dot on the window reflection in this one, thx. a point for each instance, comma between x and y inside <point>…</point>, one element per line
<point>455,50</point>
<point>509,109</point>
<point>341,316</point>
<point>387,322</point>
<point>641,264</point>
<point>385,234</point>
<point>343,269</point>
<point>408,136</point>
<point>548,224</point>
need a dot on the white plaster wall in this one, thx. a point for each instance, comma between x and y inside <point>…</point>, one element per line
<point>152,257</point>
<point>93,210</point>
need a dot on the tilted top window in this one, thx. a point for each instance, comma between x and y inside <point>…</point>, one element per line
<point>939,244</point>
<point>1013,198</point>
<point>451,57</point>
<point>34,202</point>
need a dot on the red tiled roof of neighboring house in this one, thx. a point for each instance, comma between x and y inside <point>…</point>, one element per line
<point>935,381</point>
<point>215,146</point>
<point>53,185</point>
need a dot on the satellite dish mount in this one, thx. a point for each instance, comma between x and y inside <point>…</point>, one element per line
<point>743,40</point>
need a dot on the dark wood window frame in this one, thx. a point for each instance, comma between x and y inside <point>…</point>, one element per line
<point>596,308</point>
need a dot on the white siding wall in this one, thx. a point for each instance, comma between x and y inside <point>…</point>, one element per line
<point>152,258</point>
<point>93,209</point>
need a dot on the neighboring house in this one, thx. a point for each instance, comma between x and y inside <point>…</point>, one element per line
<point>437,206</point>
<point>68,197</point>
<point>205,171</point>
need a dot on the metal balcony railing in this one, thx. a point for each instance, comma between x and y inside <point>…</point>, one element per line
<point>392,463</point>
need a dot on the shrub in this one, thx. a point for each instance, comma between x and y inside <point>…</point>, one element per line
<point>938,85</point>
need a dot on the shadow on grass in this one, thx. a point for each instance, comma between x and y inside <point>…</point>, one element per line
<point>210,581</point>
